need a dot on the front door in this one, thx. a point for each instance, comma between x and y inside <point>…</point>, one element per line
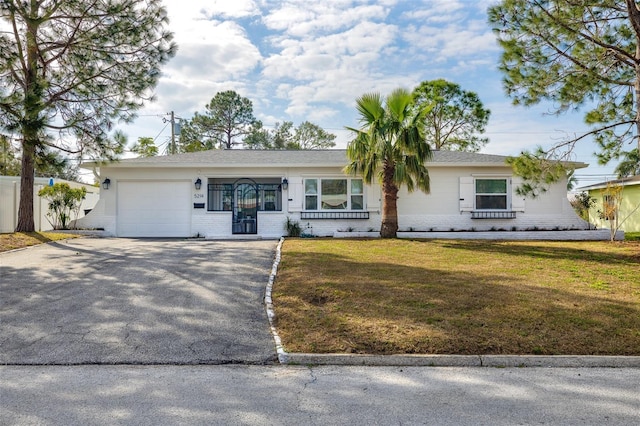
<point>245,207</point>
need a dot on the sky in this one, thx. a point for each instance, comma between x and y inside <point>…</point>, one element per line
<point>301,60</point>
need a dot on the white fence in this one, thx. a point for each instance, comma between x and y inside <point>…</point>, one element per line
<point>10,200</point>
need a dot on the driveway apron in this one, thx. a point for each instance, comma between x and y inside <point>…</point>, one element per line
<point>127,301</point>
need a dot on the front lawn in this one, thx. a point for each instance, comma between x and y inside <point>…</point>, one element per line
<point>16,240</point>
<point>632,236</point>
<point>459,297</point>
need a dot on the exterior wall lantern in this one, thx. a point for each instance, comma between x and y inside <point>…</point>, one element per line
<point>198,184</point>
<point>285,183</point>
<point>106,183</point>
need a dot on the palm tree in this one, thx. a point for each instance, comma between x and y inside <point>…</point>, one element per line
<point>389,147</point>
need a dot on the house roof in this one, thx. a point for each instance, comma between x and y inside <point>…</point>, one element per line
<point>290,158</point>
<point>634,180</point>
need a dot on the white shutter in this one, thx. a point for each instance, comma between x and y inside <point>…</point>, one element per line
<point>517,201</point>
<point>467,193</point>
<point>295,195</point>
<point>373,197</point>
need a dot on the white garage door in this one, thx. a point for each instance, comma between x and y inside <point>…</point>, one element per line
<point>154,209</point>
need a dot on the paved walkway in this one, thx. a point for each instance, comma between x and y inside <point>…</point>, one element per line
<point>127,301</point>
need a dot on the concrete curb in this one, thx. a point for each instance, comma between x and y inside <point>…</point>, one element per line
<point>268,302</point>
<point>558,361</point>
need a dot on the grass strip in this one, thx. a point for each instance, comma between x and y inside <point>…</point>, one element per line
<point>16,240</point>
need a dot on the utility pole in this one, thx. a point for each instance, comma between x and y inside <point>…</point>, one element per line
<point>173,133</point>
<point>172,120</point>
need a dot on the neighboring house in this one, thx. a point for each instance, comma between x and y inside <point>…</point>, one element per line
<point>10,200</point>
<point>225,193</point>
<point>628,210</point>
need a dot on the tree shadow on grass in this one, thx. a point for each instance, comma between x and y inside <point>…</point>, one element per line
<point>336,304</point>
<point>36,235</point>
<point>550,250</point>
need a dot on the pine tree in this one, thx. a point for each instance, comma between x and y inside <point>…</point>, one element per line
<point>70,69</point>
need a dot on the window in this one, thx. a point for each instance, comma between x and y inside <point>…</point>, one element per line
<point>491,194</point>
<point>220,197</point>
<point>311,194</point>
<point>357,194</point>
<point>333,194</point>
<point>269,198</point>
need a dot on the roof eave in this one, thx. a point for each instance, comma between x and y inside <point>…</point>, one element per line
<point>205,165</point>
<point>605,185</point>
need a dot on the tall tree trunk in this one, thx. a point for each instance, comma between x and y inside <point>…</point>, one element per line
<point>229,143</point>
<point>31,126</point>
<point>25,209</point>
<point>389,228</point>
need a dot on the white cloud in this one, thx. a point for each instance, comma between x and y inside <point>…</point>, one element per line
<point>435,10</point>
<point>286,17</point>
<point>184,11</point>
<point>357,48</point>
<point>471,39</point>
<point>224,52</point>
<point>333,68</point>
<point>308,18</point>
<point>213,55</point>
<point>211,48</point>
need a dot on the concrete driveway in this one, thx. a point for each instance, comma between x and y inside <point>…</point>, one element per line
<point>125,301</point>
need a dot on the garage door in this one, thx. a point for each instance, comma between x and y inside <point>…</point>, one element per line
<point>154,209</point>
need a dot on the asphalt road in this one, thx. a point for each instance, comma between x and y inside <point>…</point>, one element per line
<point>290,395</point>
<point>127,301</point>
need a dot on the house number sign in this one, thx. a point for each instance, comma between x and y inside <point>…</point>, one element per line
<point>198,196</point>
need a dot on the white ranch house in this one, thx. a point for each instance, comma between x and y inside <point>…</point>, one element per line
<point>240,193</point>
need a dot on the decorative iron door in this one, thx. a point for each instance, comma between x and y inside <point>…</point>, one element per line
<point>245,207</point>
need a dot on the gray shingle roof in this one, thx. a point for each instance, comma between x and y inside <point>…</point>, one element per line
<point>279,158</point>
<point>283,158</point>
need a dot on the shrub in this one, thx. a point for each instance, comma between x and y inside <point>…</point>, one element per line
<point>293,228</point>
<point>63,202</point>
<point>581,203</point>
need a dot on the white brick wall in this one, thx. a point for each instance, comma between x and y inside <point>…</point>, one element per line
<point>582,235</point>
<point>272,224</point>
<point>98,219</point>
<point>327,227</point>
<point>463,222</point>
<point>219,224</point>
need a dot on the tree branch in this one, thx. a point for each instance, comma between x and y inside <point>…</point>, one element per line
<point>587,36</point>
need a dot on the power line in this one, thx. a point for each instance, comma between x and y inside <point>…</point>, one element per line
<point>158,135</point>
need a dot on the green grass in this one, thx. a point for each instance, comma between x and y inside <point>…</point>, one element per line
<point>16,240</point>
<point>459,297</point>
<point>632,236</point>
